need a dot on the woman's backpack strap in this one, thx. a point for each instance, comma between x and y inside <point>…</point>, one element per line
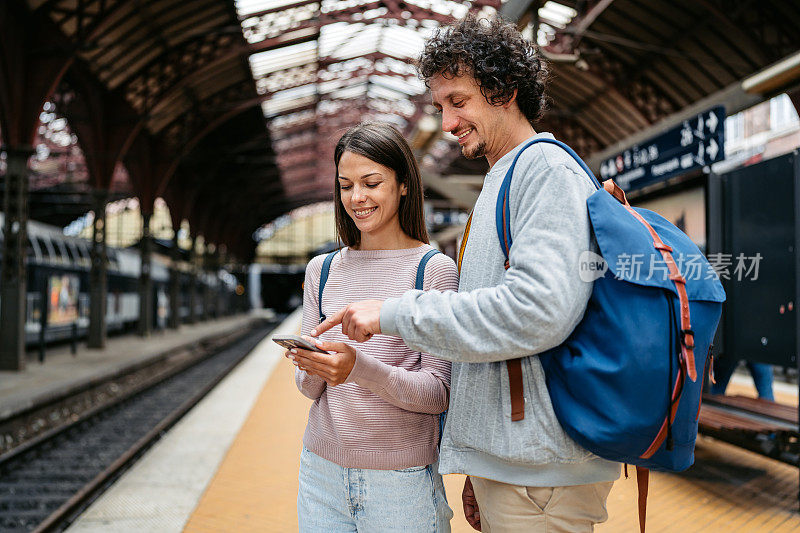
<point>323,278</point>
<point>421,268</point>
<point>418,285</point>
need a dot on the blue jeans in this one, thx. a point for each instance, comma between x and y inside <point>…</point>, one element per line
<point>761,372</point>
<point>332,498</point>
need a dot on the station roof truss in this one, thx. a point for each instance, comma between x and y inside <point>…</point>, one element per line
<point>338,63</point>
<point>620,66</point>
<point>229,109</point>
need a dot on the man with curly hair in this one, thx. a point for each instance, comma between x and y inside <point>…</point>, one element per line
<point>523,475</point>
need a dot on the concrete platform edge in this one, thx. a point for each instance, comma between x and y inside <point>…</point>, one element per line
<point>160,492</point>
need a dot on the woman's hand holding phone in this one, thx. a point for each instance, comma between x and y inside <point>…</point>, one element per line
<point>334,367</point>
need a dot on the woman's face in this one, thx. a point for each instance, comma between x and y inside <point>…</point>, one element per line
<point>370,193</point>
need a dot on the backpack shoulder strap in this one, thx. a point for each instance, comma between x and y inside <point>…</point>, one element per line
<point>503,209</point>
<point>503,224</point>
<point>323,279</point>
<point>421,268</point>
<point>418,285</point>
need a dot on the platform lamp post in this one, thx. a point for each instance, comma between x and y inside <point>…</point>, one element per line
<point>12,269</point>
<point>219,296</point>
<point>145,280</point>
<point>175,284</point>
<point>206,262</point>
<point>192,285</point>
<point>98,276</point>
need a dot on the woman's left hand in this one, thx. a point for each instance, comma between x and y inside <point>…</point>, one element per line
<point>334,367</point>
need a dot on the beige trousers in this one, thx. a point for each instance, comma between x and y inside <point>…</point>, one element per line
<point>512,508</point>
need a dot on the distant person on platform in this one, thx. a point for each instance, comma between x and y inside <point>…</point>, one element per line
<point>371,444</point>
<point>724,366</point>
<point>488,83</point>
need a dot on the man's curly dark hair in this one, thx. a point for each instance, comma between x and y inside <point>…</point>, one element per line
<point>496,55</point>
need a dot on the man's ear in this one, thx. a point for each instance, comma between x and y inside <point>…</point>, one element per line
<point>511,99</point>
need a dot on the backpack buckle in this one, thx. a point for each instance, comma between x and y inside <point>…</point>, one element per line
<point>687,334</point>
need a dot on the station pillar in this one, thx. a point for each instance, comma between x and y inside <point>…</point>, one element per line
<point>98,275</point>
<point>206,286</point>
<point>216,263</point>
<point>192,316</point>
<point>12,271</point>
<point>145,281</point>
<point>175,285</point>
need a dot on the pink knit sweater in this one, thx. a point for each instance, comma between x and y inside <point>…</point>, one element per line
<point>386,415</point>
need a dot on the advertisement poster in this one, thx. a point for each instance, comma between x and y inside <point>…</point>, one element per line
<point>63,299</point>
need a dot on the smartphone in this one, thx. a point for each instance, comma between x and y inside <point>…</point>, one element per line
<point>293,341</point>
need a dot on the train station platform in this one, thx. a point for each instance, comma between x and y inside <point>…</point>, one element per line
<point>63,372</point>
<point>231,465</point>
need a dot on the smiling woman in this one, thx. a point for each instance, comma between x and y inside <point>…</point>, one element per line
<point>377,404</point>
<point>378,191</point>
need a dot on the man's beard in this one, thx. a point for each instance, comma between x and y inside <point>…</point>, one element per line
<point>478,151</point>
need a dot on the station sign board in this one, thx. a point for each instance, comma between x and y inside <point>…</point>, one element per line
<point>695,143</point>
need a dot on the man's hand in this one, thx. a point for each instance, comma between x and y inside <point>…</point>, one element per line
<point>334,368</point>
<point>471,510</point>
<point>360,320</point>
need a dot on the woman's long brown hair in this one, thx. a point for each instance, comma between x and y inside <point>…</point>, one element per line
<point>383,144</point>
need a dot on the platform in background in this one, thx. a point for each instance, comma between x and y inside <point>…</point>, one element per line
<point>63,372</point>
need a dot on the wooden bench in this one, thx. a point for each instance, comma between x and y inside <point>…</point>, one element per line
<point>759,425</point>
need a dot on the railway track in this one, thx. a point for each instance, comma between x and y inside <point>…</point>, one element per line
<point>46,483</point>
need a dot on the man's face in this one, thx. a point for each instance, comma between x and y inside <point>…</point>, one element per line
<point>466,114</point>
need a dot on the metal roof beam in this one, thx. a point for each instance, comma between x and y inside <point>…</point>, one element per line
<point>568,38</point>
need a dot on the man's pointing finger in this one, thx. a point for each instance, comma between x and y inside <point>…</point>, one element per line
<point>328,323</point>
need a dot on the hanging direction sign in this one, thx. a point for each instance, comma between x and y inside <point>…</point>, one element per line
<point>695,143</point>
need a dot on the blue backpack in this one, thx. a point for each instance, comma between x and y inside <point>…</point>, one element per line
<point>624,384</point>
<point>420,279</point>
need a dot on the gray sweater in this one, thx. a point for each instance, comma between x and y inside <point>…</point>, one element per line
<point>500,314</point>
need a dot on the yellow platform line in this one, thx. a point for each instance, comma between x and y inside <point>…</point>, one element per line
<point>255,487</point>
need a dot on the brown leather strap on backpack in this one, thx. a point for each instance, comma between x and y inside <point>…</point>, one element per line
<point>514,367</point>
<point>643,482</point>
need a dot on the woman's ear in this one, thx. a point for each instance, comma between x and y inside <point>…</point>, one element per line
<point>403,189</point>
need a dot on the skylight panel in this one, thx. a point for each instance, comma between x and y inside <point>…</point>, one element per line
<point>275,107</point>
<point>378,91</point>
<point>552,17</point>
<point>391,118</point>
<point>296,92</point>
<point>350,92</point>
<point>264,63</point>
<point>411,86</point>
<point>402,42</point>
<point>384,105</point>
<point>332,36</point>
<point>557,13</point>
<point>292,119</point>
<point>358,43</point>
<point>245,8</point>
